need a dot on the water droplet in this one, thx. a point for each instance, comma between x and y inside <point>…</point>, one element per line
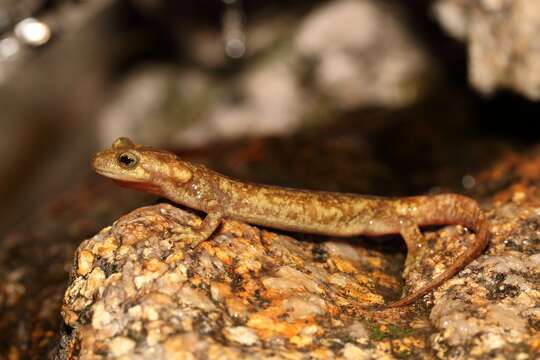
<point>235,48</point>
<point>8,48</point>
<point>468,181</point>
<point>234,33</point>
<point>33,32</point>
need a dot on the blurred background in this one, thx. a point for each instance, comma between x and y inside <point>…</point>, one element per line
<point>380,97</point>
<point>74,75</point>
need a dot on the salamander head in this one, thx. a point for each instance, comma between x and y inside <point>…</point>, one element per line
<point>139,167</point>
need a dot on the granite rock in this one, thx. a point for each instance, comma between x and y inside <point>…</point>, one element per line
<point>249,293</point>
<point>501,38</point>
<point>246,293</point>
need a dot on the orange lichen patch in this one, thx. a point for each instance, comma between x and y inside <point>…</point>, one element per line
<point>175,257</point>
<point>269,237</point>
<point>248,265</point>
<point>196,280</point>
<point>237,229</point>
<point>178,347</point>
<point>220,290</point>
<point>332,309</point>
<point>363,279</point>
<point>385,279</point>
<point>530,169</point>
<point>534,343</point>
<point>106,248</point>
<point>344,265</point>
<point>275,286</point>
<point>272,294</point>
<point>363,295</point>
<point>268,324</point>
<point>85,261</point>
<point>306,336</point>
<point>236,307</point>
<point>226,255</point>
<point>374,261</point>
<point>155,265</point>
<point>207,245</point>
<point>341,301</point>
<point>526,166</point>
<point>250,286</point>
<point>219,352</point>
<point>321,354</point>
<point>515,193</point>
<point>408,344</point>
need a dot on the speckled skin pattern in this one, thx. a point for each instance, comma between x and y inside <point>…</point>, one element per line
<point>326,213</point>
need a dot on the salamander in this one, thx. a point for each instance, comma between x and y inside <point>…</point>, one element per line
<point>325,213</point>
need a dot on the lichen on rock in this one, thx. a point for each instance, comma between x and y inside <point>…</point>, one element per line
<point>248,293</point>
<point>245,293</point>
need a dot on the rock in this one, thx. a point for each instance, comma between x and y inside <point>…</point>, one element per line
<point>308,71</point>
<point>247,293</point>
<point>343,41</point>
<point>501,38</point>
<point>491,307</point>
<point>144,296</point>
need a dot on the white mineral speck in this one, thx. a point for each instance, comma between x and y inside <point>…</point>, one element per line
<point>339,279</point>
<point>290,279</point>
<point>120,346</point>
<point>504,264</point>
<point>142,280</point>
<point>101,317</point>
<point>94,281</point>
<point>506,317</point>
<point>493,341</point>
<point>241,334</point>
<point>197,298</point>
<point>303,306</point>
<point>85,261</point>
<point>150,313</point>
<point>358,330</point>
<point>135,311</point>
<point>343,250</point>
<point>534,261</point>
<point>519,281</point>
<point>353,352</point>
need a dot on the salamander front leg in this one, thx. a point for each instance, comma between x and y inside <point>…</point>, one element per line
<point>199,234</point>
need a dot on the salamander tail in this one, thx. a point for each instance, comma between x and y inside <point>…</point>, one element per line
<point>467,212</point>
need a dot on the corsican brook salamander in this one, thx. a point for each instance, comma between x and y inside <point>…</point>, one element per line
<point>335,214</point>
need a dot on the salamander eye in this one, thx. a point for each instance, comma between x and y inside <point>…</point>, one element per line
<point>128,160</point>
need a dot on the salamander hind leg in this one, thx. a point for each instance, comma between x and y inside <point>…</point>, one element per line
<point>412,236</point>
<point>415,240</point>
<point>197,235</point>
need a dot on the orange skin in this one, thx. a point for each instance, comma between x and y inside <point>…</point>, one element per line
<point>335,214</point>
